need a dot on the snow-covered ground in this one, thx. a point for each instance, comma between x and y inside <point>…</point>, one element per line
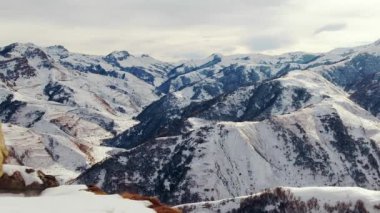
<point>71,199</point>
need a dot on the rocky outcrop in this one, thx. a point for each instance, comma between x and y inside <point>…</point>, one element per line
<point>367,93</point>
<point>59,93</point>
<point>20,179</point>
<point>19,112</point>
<point>155,202</point>
<point>16,68</point>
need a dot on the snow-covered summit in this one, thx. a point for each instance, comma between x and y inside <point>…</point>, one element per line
<point>119,55</point>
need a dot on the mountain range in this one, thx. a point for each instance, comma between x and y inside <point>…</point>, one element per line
<point>198,130</point>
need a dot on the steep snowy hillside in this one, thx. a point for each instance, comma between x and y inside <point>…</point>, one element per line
<point>228,75</point>
<point>195,85</point>
<point>57,106</point>
<point>296,200</point>
<point>297,130</point>
<point>356,70</point>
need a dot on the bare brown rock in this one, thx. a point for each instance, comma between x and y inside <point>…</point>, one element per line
<point>15,182</point>
<point>156,204</point>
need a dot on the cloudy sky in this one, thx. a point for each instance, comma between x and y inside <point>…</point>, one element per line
<point>181,29</point>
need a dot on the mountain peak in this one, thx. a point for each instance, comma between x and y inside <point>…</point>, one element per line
<point>119,55</point>
<point>57,48</point>
<point>216,56</point>
<point>377,42</point>
<point>21,49</point>
<point>145,56</point>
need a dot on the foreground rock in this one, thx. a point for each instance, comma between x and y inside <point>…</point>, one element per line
<point>24,180</point>
<point>296,200</point>
<point>154,202</point>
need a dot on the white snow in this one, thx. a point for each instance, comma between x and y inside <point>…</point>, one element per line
<point>239,158</point>
<point>72,199</point>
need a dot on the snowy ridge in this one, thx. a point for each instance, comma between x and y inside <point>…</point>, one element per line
<point>307,199</point>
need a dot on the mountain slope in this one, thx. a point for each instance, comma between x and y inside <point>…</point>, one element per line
<point>308,128</point>
<point>57,106</point>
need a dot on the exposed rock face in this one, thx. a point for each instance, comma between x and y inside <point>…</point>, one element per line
<point>367,93</point>
<point>59,93</point>
<point>155,202</point>
<point>354,70</point>
<point>19,112</point>
<point>14,69</point>
<point>24,179</point>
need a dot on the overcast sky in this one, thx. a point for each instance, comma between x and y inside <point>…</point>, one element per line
<point>181,29</point>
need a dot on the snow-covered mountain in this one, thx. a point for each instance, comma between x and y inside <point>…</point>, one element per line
<point>220,127</point>
<point>295,129</point>
<point>218,74</point>
<point>57,106</point>
<point>305,123</point>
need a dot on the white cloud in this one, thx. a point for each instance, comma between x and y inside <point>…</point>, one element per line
<point>331,28</point>
<point>177,29</point>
